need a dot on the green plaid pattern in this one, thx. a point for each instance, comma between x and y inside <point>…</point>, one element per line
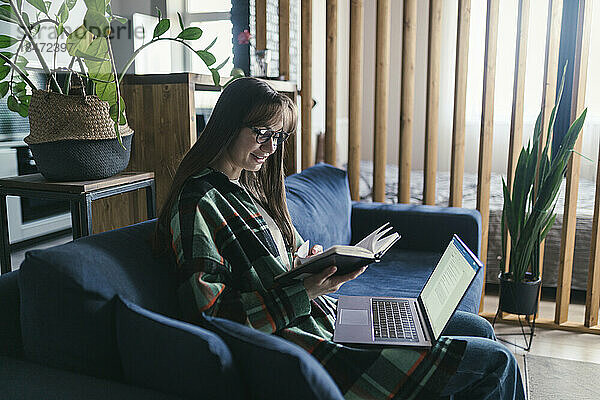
<point>228,259</point>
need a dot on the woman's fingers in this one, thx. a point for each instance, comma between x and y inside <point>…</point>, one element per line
<point>326,273</point>
<point>316,249</point>
<point>339,280</point>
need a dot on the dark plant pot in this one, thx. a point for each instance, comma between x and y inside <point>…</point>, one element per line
<point>519,298</point>
<point>81,160</point>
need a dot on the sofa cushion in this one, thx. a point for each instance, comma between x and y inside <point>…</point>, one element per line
<point>171,356</point>
<point>10,325</point>
<point>318,199</point>
<point>25,380</point>
<point>403,273</point>
<point>66,318</point>
<point>273,367</point>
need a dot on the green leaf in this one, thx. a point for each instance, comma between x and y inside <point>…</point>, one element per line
<point>16,106</point>
<point>208,58</point>
<point>60,29</point>
<point>96,23</point>
<point>113,112</point>
<point>191,33</point>
<point>180,21</point>
<point>216,77</point>
<point>63,12</point>
<point>24,98</point>
<point>39,4</point>
<point>7,14</point>
<point>4,71</point>
<point>222,64</point>
<point>3,89</point>
<point>106,88</point>
<point>96,5</point>
<point>7,41</point>
<point>71,3</point>
<point>26,20</point>
<point>211,44</point>
<point>160,28</point>
<point>237,73</point>
<point>6,54</point>
<point>19,87</point>
<point>120,19</point>
<point>78,41</point>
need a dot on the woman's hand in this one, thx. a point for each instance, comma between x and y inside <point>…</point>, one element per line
<point>324,282</point>
<point>316,249</point>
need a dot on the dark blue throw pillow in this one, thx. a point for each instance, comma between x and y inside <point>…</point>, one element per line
<point>174,357</point>
<point>272,367</point>
<point>318,199</point>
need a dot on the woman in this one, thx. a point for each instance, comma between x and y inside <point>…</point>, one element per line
<point>227,224</point>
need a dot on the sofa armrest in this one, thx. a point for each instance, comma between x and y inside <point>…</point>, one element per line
<point>424,228</point>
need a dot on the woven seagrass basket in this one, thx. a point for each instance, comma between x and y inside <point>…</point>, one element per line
<point>73,138</point>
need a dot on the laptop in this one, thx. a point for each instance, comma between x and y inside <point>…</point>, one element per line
<point>408,321</point>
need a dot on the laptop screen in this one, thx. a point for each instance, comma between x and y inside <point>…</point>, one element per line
<point>448,283</point>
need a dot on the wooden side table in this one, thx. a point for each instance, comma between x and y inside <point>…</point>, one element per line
<point>79,194</point>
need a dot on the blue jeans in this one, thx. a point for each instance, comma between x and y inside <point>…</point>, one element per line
<point>488,369</point>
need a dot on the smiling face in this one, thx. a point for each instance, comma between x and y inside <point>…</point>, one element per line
<point>245,153</point>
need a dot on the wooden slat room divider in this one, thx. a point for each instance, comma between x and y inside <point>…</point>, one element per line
<point>355,97</point>
<point>460,98</point>
<point>487,124</point>
<point>407,129</point>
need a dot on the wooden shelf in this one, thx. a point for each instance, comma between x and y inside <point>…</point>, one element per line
<point>200,81</point>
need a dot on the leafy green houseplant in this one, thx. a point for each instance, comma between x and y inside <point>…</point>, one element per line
<point>91,74</point>
<point>528,210</point>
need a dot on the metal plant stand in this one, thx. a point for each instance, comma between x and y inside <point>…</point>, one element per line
<point>527,336</point>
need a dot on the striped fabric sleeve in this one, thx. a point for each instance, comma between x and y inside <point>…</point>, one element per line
<point>266,310</point>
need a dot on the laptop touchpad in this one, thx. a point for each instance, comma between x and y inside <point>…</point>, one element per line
<point>354,317</point>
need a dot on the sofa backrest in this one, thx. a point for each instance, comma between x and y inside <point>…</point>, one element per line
<point>67,318</point>
<point>318,199</point>
<point>10,326</point>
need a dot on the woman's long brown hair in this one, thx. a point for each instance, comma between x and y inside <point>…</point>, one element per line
<point>245,102</point>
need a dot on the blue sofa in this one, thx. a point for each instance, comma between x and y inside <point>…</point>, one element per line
<point>99,317</point>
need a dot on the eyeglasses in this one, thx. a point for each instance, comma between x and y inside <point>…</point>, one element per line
<point>263,135</point>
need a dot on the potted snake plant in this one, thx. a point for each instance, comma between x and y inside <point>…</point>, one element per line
<point>528,212</point>
<point>78,128</point>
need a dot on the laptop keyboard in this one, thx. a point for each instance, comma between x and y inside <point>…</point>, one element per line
<point>392,319</point>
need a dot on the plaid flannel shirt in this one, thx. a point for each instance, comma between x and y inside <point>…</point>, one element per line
<point>228,259</point>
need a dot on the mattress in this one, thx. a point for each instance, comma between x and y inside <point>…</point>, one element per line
<point>585,212</point>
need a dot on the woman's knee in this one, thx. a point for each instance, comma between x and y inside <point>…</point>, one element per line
<point>468,324</point>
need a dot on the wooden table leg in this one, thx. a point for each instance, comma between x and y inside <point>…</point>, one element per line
<point>5,245</point>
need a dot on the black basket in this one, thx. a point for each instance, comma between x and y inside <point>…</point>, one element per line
<point>81,160</point>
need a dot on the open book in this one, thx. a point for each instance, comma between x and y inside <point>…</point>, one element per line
<point>345,258</point>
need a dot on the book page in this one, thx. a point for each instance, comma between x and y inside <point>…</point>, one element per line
<point>369,241</point>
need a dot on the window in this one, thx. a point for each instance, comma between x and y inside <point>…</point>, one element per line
<point>214,18</point>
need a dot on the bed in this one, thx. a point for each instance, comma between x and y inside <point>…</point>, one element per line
<point>585,213</point>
